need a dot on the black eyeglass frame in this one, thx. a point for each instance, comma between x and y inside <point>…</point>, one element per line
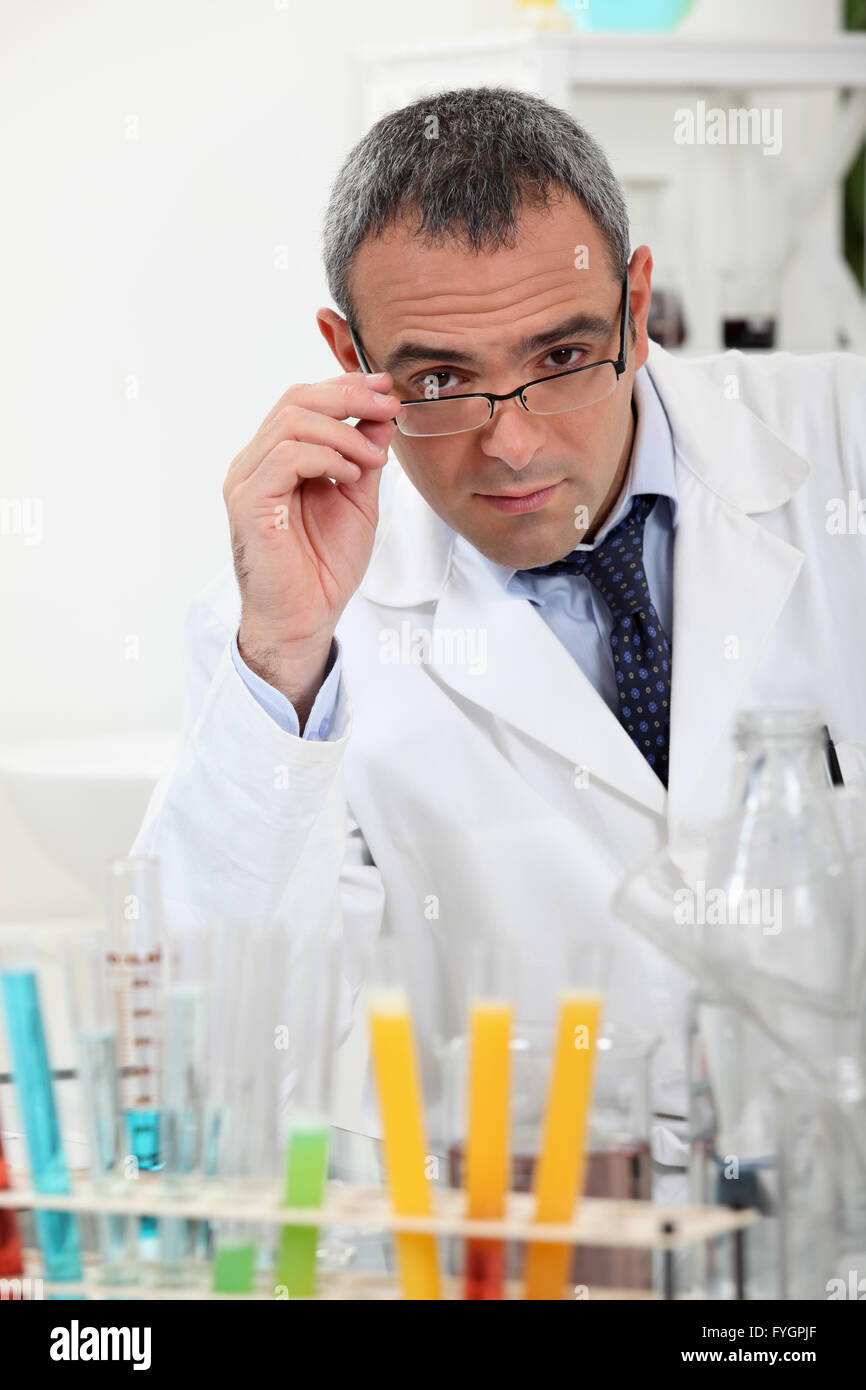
<point>619,367</point>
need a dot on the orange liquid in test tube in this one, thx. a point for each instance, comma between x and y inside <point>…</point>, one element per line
<point>487,1149</point>
<point>405,1142</point>
<point>560,1168</point>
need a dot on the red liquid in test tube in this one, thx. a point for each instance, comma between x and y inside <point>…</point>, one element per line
<point>11,1260</point>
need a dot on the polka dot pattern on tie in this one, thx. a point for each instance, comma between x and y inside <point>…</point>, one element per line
<point>639,644</point>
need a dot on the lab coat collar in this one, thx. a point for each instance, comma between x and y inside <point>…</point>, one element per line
<point>719,439</point>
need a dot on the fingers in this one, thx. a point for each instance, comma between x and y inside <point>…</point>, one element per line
<point>347,396</point>
<point>314,428</point>
<point>291,461</point>
<point>317,414</point>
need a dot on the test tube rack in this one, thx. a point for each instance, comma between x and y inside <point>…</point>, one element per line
<point>597,1221</point>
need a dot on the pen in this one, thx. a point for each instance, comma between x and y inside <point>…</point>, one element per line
<point>833,767</point>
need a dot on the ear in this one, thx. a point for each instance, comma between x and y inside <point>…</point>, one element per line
<point>335,332</point>
<point>640,288</point>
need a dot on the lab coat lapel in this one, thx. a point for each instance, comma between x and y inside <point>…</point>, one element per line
<point>530,680</point>
<point>732,577</point>
<point>731,582</point>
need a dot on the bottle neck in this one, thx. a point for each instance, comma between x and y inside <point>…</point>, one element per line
<point>781,762</point>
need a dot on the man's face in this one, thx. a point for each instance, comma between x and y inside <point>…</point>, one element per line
<point>520,487</point>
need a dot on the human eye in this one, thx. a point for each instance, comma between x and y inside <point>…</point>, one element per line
<point>434,383</point>
<point>563,358</point>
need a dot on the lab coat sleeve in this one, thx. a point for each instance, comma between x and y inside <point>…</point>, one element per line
<point>250,821</point>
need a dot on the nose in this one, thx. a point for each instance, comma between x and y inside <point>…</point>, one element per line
<point>512,435</point>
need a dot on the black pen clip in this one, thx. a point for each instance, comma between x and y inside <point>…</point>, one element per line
<point>833,767</point>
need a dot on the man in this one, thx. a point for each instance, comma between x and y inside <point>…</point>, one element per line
<point>406,716</point>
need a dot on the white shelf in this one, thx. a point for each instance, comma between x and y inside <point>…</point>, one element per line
<point>646,60</point>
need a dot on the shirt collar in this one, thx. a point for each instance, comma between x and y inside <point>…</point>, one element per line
<point>651,470</point>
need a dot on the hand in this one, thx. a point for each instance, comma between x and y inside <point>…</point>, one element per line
<point>302,542</point>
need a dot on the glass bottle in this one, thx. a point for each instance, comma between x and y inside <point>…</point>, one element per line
<point>768,898</point>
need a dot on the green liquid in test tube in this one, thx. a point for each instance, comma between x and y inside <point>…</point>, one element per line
<point>234,1266</point>
<point>306,1174</point>
<point>240,1125</point>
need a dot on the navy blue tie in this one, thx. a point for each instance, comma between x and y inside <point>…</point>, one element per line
<point>639,644</point>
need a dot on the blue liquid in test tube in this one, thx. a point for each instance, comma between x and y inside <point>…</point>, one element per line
<point>142,1141</point>
<point>57,1231</point>
<point>135,982</point>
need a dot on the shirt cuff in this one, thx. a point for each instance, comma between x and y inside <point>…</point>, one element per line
<point>323,722</point>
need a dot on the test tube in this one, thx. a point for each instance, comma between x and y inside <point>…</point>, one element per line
<point>311,1006</point>
<point>56,1231</point>
<point>135,981</point>
<point>184,1078</point>
<point>491,1011</point>
<point>241,1129</point>
<point>11,1258</point>
<point>559,1171</point>
<point>399,1089</point>
<point>89,1001</point>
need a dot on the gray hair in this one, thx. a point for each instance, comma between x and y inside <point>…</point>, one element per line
<point>465,163</point>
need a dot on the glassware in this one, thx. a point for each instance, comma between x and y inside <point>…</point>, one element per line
<point>540,993</point>
<point>56,1231</point>
<point>135,983</point>
<point>489,1015</point>
<point>410,1165</point>
<point>765,910</point>
<point>11,1257</point>
<point>822,1188</point>
<point>543,15</point>
<point>310,1033</point>
<point>666,323</point>
<point>242,1145</point>
<point>618,1162</point>
<point>623,15</point>
<point>749,309</point>
<point>89,1001</point>
<point>185,1054</point>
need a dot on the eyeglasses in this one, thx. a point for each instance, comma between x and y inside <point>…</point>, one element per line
<point>571,389</point>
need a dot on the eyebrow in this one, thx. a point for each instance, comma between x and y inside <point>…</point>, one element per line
<point>581,325</point>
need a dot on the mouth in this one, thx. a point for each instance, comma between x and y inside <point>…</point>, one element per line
<point>513,502</point>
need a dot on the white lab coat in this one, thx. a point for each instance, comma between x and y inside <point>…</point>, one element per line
<point>464,801</point>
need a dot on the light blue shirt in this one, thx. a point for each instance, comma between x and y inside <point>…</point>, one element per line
<point>569,604</point>
<point>320,725</point>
